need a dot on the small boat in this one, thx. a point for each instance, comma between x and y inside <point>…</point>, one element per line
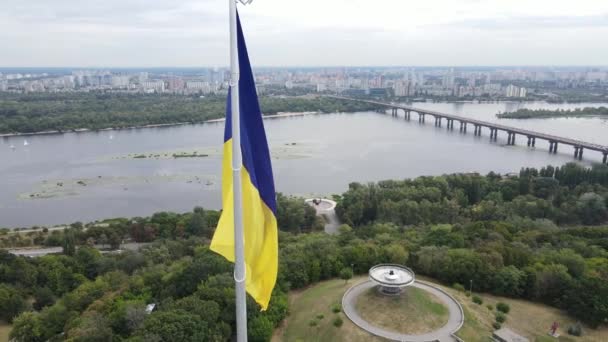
<point>111,137</point>
<point>12,147</point>
<point>25,143</point>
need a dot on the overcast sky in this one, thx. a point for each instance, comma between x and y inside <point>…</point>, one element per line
<point>145,33</point>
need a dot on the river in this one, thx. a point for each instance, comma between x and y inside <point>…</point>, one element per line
<point>57,179</point>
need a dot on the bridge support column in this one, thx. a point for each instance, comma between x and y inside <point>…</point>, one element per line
<point>552,146</point>
<point>605,160</point>
<point>493,134</point>
<point>513,139</point>
<point>464,127</point>
<point>529,141</point>
<point>533,141</point>
<point>555,148</point>
<point>580,153</point>
<point>576,149</point>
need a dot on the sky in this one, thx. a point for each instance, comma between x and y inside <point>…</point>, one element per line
<point>194,33</point>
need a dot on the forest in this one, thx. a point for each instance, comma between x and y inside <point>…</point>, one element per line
<point>525,113</point>
<point>541,236</point>
<point>39,112</point>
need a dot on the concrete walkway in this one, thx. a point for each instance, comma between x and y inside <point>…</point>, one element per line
<point>442,334</point>
<point>326,208</point>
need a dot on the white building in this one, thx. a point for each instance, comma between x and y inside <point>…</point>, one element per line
<point>203,87</point>
<point>120,81</point>
<point>514,91</point>
<point>153,86</point>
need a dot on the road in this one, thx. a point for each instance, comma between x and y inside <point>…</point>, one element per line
<point>38,252</point>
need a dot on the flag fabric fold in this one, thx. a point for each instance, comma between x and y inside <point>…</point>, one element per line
<point>259,201</point>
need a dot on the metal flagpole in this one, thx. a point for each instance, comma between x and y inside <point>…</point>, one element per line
<point>239,262</point>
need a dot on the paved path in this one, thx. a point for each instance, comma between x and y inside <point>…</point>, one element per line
<point>442,334</point>
<point>326,208</point>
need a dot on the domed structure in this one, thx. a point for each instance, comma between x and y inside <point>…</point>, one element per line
<point>391,278</point>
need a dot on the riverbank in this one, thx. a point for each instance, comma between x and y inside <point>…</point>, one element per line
<point>82,130</point>
<point>525,113</point>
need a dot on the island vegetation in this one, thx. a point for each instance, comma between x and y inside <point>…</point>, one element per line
<point>40,112</point>
<point>540,236</point>
<point>525,113</point>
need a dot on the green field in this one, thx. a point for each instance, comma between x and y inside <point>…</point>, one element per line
<point>529,319</point>
<point>415,311</point>
<point>306,304</point>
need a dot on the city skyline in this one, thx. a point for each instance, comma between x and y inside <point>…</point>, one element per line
<point>311,34</point>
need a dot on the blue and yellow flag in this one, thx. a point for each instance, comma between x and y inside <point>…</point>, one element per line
<point>259,203</point>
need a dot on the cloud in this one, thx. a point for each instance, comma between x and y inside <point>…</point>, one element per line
<point>534,23</point>
<point>309,32</point>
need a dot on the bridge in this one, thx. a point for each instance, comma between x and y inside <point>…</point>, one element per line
<point>554,141</point>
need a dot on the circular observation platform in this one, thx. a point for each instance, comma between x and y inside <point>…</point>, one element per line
<point>391,278</point>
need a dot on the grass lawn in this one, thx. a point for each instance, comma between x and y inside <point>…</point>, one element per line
<point>415,311</point>
<point>305,305</point>
<point>529,319</point>
<point>5,329</point>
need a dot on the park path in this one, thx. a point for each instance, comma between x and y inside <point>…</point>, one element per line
<point>326,208</point>
<point>443,334</point>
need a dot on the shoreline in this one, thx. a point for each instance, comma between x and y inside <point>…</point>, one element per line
<point>83,130</point>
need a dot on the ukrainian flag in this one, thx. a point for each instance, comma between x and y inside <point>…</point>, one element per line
<point>259,203</point>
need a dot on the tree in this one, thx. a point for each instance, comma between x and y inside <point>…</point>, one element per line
<point>346,273</point>
<point>591,208</point>
<point>11,303</point>
<point>174,325</point>
<point>114,240</point>
<point>509,281</point>
<point>259,329</point>
<point>91,326</point>
<point>588,300</point>
<point>88,259</point>
<point>27,328</point>
<point>69,242</point>
<point>197,225</point>
<point>43,297</point>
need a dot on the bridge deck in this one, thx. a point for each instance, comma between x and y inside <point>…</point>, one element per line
<point>528,133</point>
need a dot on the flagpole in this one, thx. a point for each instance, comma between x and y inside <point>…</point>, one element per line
<point>239,262</point>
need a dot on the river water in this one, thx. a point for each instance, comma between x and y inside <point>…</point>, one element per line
<point>57,179</point>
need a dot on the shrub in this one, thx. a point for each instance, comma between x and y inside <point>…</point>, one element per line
<point>503,307</point>
<point>490,307</point>
<point>500,317</point>
<point>458,287</point>
<point>477,300</point>
<point>312,323</point>
<point>468,294</point>
<point>336,308</point>
<point>575,330</point>
<point>320,316</point>
<point>496,325</point>
<point>338,322</point>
